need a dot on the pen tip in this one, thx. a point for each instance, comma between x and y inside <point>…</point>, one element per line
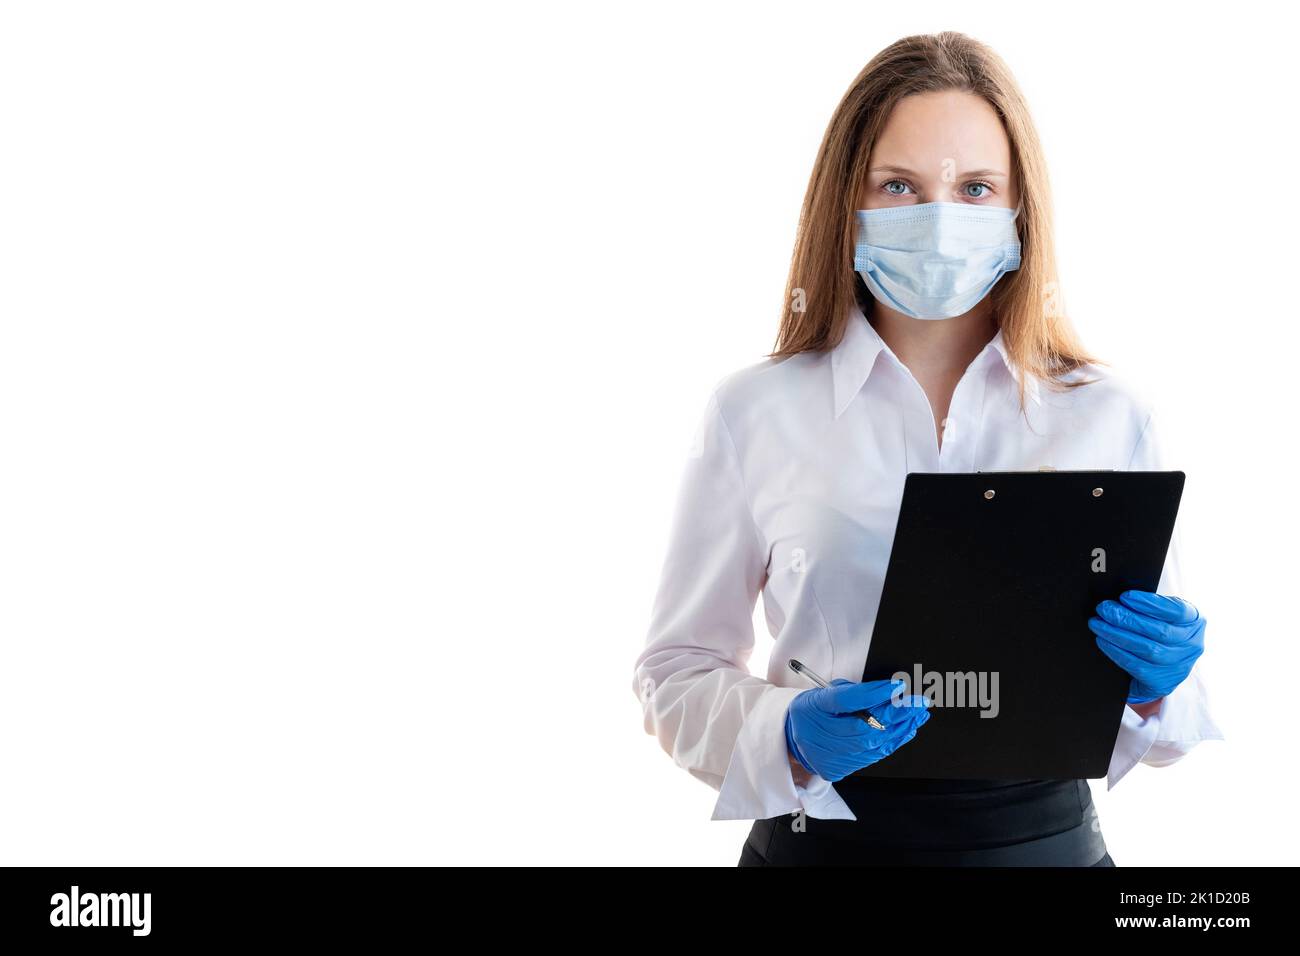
<point>795,666</point>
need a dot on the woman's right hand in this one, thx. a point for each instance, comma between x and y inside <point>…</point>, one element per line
<point>824,733</point>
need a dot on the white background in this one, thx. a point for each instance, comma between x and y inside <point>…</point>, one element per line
<point>351,353</point>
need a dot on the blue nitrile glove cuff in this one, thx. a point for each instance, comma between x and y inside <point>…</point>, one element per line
<point>791,746</point>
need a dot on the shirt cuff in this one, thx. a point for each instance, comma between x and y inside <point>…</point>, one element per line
<point>759,782</point>
<point>1180,722</point>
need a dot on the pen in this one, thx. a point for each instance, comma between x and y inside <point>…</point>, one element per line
<point>801,668</point>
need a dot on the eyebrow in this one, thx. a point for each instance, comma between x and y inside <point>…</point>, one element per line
<point>904,171</point>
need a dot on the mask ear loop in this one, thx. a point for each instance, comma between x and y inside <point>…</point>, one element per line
<point>1017,217</point>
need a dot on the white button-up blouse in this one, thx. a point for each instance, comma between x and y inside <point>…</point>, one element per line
<point>792,488</point>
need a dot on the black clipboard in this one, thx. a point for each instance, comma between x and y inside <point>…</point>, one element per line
<point>994,572</point>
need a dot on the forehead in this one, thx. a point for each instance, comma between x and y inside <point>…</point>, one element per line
<point>924,129</point>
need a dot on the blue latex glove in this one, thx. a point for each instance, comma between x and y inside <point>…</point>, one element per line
<point>824,735</point>
<point>1154,637</point>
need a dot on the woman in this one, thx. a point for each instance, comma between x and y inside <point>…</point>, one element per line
<point>922,332</point>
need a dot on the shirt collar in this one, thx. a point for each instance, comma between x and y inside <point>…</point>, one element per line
<point>854,358</point>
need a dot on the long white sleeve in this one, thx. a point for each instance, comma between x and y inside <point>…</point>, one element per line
<point>717,720</point>
<point>792,491</point>
<point>1183,718</point>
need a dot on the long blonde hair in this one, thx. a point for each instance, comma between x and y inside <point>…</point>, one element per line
<point>1027,305</point>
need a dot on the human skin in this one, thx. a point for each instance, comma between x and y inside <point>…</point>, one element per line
<point>939,147</point>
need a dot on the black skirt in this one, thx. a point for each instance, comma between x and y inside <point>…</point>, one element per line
<point>914,822</point>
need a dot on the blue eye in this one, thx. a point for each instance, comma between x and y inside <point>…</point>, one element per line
<point>889,187</point>
<point>985,187</point>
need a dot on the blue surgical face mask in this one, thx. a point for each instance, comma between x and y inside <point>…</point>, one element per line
<point>935,260</point>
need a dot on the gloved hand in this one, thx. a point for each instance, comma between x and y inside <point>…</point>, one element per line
<point>1154,637</point>
<point>824,734</point>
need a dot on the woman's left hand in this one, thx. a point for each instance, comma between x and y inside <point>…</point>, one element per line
<point>1156,638</point>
